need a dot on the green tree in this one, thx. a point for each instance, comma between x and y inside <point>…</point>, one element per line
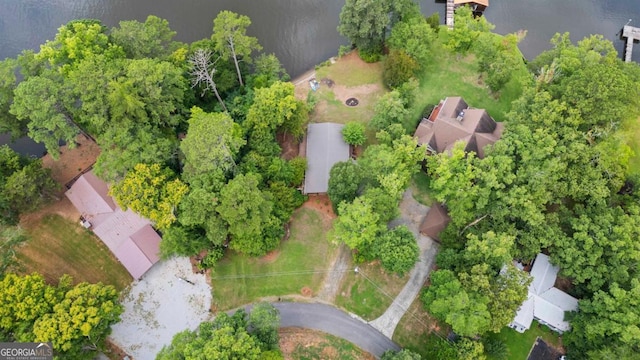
<point>399,67</point>
<point>358,225</point>
<point>397,250</point>
<point>268,70</point>
<point>466,29</point>
<point>10,239</point>
<point>150,191</point>
<point>212,143</point>
<point>23,300</point>
<point>610,319</point>
<point>448,301</point>
<point>40,101</point>
<point>353,133</point>
<point>8,82</point>
<point>403,354</point>
<point>344,181</point>
<point>365,22</point>
<point>231,41</point>
<point>490,248</point>
<point>151,39</point>
<point>253,227</point>
<point>275,107</point>
<point>81,321</point>
<point>29,187</point>
<point>390,109</point>
<point>470,350</point>
<point>384,204</point>
<point>413,36</point>
<point>263,324</point>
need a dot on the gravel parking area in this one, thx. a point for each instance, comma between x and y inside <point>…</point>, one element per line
<point>170,298</point>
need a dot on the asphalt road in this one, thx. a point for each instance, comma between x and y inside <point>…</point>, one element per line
<point>335,322</point>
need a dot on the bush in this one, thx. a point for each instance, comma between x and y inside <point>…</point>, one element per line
<point>353,133</point>
<point>434,21</point>
<point>344,50</point>
<point>399,67</point>
<point>371,55</point>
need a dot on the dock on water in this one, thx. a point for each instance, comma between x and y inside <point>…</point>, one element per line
<point>449,17</point>
<point>631,33</point>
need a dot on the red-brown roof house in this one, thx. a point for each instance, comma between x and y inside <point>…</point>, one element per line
<point>435,221</point>
<point>452,121</point>
<point>130,237</point>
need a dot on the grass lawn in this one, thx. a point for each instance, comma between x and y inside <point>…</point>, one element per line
<point>369,293</point>
<point>316,345</point>
<point>352,77</point>
<point>58,246</point>
<point>519,344</point>
<point>453,75</point>
<point>420,187</point>
<point>300,262</point>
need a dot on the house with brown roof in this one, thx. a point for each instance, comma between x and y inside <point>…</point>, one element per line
<point>325,148</point>
<point>130,237</point>
<point>435,221</point>
<point>452,121</point>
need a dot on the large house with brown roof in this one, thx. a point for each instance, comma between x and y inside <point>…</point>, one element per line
<point>130,237</point>
<point>452,121</point>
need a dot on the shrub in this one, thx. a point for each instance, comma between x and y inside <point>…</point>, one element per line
<point>370,55</point>
<point>353,133</point>
<point>399,67</point>
<point>434,21</point>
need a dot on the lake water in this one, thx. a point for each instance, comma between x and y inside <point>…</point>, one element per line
<point>303,33</point>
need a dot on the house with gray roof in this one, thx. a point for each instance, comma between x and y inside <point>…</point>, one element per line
<point>452,121</point>
<point>325,147</point>
<point>129,236</point>
<point>545,303</point>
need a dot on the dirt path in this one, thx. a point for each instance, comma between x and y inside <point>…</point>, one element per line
<point>411,214</point>
<point>331,285</point>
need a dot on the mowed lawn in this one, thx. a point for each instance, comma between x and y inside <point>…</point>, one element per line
<point>300,262</point>
<point>519,344</point>
<point>58,246</point>
<point>370,292</point>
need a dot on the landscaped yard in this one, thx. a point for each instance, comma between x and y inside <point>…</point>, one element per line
<point>296,267</point>
<point>351,77</point>
<point>369,292</point>
<point>59,246</point>
<point>519,344</point>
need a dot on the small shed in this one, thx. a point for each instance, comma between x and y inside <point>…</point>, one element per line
<point>435,221</point>
<point>325,147</point>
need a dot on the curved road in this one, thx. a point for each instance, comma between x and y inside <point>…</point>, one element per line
<point>335,322</point>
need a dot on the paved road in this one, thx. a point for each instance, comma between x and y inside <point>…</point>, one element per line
<point>336,322</point>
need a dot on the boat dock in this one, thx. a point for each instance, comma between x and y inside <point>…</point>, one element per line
<point>629,32</point>
<point>449,17</point>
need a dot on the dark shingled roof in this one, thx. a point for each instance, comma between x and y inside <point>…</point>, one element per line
<point>435,221</point>
<point>454,121</point>
<point>542,351</point>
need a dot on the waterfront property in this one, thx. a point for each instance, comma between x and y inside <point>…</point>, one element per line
<point>325,147</point>
<point>545,303</point>
<point>130,237</point>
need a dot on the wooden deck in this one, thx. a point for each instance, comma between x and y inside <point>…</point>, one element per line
<point>631,33</point>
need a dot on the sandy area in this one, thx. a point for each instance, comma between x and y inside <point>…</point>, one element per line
<point>72,162</point>
<point>159,306</point>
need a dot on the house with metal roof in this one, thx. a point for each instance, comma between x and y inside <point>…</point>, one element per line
<point>130,237</point>
<point>451,121</point>
<point>545,303</point>
<point>325,148</point>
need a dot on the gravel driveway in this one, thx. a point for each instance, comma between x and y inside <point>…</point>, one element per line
<point>159,306</point>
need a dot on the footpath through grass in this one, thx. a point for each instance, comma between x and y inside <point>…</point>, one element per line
<point>59,246</point>
<point>300,262</point>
